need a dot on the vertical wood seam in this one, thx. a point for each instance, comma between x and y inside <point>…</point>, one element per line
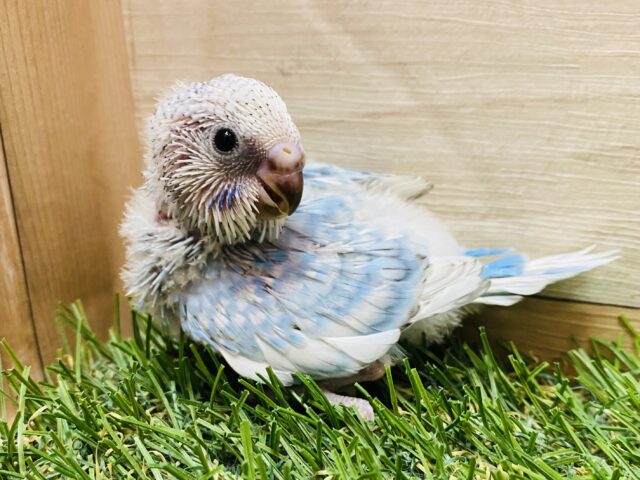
<point>21,252</point>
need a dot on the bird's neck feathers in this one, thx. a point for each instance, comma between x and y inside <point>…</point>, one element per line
<point>225,220</point>
<point>163,257</point>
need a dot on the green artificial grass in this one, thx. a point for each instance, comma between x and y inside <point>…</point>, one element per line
<point>152,407</point>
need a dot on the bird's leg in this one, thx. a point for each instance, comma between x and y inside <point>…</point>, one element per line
<point>369,374</point>
<point>373,372</point>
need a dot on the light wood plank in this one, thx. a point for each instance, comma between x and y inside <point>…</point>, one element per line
<point>524,115</point>
<point>16,324</point>
<point>548,328</point>
<point>68,126</point>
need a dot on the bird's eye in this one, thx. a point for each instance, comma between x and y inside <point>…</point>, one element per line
<point>225,140</point>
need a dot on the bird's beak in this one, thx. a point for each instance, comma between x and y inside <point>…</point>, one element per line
<point>280,174</point>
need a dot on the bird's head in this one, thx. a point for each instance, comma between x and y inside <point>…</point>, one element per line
<point>225,158</point>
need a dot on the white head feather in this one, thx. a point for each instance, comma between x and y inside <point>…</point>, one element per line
<point>201,187</point>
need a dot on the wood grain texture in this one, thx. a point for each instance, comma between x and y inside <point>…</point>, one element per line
<point>16,323</point>
<point>525,116</point>
<point>549,328</point>
<point>71,149</point>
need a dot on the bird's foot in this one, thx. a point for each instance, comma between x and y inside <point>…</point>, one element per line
<point>360,404</point>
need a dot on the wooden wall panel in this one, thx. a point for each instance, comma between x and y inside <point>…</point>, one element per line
<point>548,328</point>
<point>525,116</point>
<point>71,150</point>
<point>16,323</point>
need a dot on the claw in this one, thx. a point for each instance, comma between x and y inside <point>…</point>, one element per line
<point>361,405</point>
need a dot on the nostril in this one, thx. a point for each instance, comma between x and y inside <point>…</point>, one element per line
<point>285,158</point>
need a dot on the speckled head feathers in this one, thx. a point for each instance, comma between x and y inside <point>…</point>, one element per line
<point>208,141</point>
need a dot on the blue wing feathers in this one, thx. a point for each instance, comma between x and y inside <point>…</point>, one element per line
<point>324,174</point>
<point>324,276</point>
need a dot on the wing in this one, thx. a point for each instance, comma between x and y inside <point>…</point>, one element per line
<point>324,176</point>
<point>327,298</point>
<point>333,292</point>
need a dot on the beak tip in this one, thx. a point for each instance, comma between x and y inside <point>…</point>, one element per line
<point>283,193</point>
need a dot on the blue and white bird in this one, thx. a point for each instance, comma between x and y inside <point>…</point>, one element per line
<point>221,240</point>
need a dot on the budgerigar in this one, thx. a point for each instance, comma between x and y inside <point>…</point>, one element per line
<point>222,241</point>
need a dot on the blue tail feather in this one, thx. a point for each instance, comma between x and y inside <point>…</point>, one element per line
<point>504,266</point>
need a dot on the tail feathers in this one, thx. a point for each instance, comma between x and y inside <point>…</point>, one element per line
<point>513,276</point>
<point>451,282</point>
<point>499,300</point>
